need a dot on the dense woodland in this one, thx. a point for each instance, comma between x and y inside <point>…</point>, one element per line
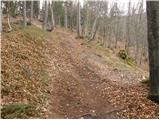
<point>130,33</point>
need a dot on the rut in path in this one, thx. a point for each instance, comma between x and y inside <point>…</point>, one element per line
<point>77,89</point>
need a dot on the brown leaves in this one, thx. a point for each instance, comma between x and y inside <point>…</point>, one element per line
<point>24,67</point>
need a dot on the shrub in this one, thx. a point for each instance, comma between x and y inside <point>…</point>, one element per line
<point>123,54</point>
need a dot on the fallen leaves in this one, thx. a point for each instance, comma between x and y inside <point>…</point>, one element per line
<point>24,68</point>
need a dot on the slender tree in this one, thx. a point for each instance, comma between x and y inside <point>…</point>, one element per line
<point>66,15</point>
<point>31,16</point>
<point>1,16</point>
<point>45,17</point>
<point>128,28</point>
<point>52,15</point>
<point>78,20</point>
<point>24,14</point>
<point>9,16</point>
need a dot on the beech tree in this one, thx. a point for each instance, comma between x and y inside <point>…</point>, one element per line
<point>153,45</point>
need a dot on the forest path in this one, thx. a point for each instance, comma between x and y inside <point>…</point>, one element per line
<point>87,83</point>
<point>77,89</point>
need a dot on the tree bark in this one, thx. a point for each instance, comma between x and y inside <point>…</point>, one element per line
<point>153,45</point>
<point>1,16</point>
<point>86,23</point>
<point>128,29</point>
<point>31,17</point>
<point>9,17</point>
<point>94,29</point>
<point>24,14</point>
<point>78,20</point>
<point>45,16</point>
<point>66,16</point>
<point>52,16</point>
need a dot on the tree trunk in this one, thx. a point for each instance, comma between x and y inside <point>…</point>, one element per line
<point>24,14</point>
<point>153,45</point>
<point>39,11</point>
<point>1,16</point>
<point>66,16</point>
<point>94,29</point>
<point>45,16</point>
<point>128,29</point>
<point>9,17</point>
<point>86,23</point>
<point>52,16</point>
<point>78,20</point>
<point>31,17</point>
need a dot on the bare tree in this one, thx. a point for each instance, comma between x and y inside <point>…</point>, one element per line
<point>86,21</point>
<point>45,17</point>
<point>24,14</point>
<point>94,28</point>
<point>128,27</point>
<point>153,45</point>
<point>96,21</point>
<point>9,16</point>
<point>78,20</point>
<point>52,16</point>
<point>1,16</point>
<point>66,15</point>
<point>31,16</point>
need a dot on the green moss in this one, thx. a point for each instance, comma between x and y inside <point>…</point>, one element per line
<point>16,110</point>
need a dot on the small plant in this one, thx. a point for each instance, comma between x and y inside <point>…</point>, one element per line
<point>123,54</point>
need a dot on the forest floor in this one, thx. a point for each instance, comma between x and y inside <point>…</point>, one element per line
<point>85,80</point>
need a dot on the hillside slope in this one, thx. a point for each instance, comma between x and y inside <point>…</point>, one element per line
<point>24,73</point>
<point>64,77</point>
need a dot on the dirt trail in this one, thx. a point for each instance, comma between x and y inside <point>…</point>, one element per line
<point>85,86</point>
<point>75,92</point>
